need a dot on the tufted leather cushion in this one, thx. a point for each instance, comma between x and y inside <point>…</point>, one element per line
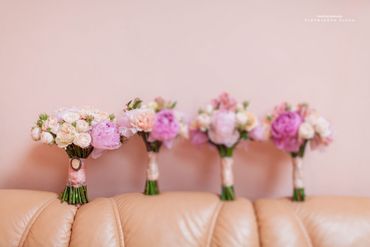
<point>38,219</point>
<point>170,219</point>
<point>35,219</point>
<point>319,222</point>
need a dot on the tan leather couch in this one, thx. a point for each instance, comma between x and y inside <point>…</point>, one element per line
<point>38,219</point>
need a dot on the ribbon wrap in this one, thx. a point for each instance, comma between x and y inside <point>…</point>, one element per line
<point>298,172</point>
<point>152,172</point>
<point>227,176</point>
<point>77,178</point>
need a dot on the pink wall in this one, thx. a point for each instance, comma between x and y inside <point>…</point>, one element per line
<point>102,53</point>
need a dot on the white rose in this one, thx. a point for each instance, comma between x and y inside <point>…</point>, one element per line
<point>184,131</point>
<point>82,126</point>
<point>241,118</point>
<point>252,121</point>
<point>36,133</point>
<point>83,140</point>
<point>153,105</point>
<point>53,125</point>
<point>306,131</point>
<point>47,138</point>
<point>209,108</point>
<point>239,107</point>
<point>323,127</point>
<point>204,121</point>
<point>71,116</point>
<point>65,135</point>
<point>99,116</point>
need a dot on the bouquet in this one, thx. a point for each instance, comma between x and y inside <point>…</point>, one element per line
<point>157,123</point>
<point>224,123</point>
<point>291,129</point>
<point>80,132</point>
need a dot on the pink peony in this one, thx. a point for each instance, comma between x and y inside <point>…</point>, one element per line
<point>284,131</point>
<point>224,102</point>
<point>165,127</point>
<point>198,137</point>
<point>136,120</point>
<point>105,136</point>
<point>223,128</point>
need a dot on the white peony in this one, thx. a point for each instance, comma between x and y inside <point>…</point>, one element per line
<point>204,121</point>
<point>306,131</point>
<point>47,138</point>
<point>82,126</point>
<point>241,118</point>
<point>322,127</point>
<point>36,133</point>
<point>82,139</point>
<point>65,135</point>
<point>71,116</point>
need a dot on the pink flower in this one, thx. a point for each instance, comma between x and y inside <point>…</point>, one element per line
<point>165,127</point>
<point>260,133</point>
<point>224,102</point>
<point>223,128</point>
<point>105,136</point>
<point>284,131</point>
<point>198,137</point>
<point>136,120</point>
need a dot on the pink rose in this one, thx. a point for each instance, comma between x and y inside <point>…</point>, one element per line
<point>224,102</point>
<point>223,129</point>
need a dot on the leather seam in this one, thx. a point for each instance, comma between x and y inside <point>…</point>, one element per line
<point>259,227</point>
<point>302,228</point>
<point>33,220</point>
<point>118,223</point>
<point>214,220</point>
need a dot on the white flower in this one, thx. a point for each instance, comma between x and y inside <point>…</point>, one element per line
<point>36,133</point>
<point>239,107</point>
<point>184,131</point>
<point>322,127</point>
<point>65,135</point>
<point>82,139</point>
<point>241,118</point>
<point>306,131</point>
<point>209,109</point>
<point>204,121</point>
<point>51,125</point>
<point>71,116</point>
<point>82,126</point>
<point>99,116</point>
<point>152,105</point>
<point>252,121</point>
<point>47,138</point>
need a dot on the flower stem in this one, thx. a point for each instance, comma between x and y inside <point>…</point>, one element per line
<point>299,195</point>
<point>74,195</point>
<point>151,188</point>
<point>227,193</point>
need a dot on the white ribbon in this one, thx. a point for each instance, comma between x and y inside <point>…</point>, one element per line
<point>297,172</point>
<point>152,173</point>
<point>227,176</point>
